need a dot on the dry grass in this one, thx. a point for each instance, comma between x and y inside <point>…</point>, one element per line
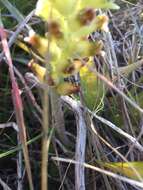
<point>77,141</point>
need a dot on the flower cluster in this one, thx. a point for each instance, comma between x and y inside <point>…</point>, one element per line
<point>69,24</point>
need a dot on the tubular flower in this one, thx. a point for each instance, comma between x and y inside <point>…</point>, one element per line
<point>69,24</point>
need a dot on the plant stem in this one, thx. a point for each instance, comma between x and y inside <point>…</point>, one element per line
<point>44,166</point>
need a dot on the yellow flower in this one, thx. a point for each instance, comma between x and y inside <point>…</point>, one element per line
<point>102,23</point>
<point>67,88</point>
<point>40,44</point>
<point>66,8</point>
<point>38,70</point>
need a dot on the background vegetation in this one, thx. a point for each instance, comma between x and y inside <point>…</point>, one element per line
<point>113,132</point>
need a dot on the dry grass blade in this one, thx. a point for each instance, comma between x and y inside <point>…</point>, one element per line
<point>29,94</point>
<point>131,139</point>
<point>80,142</point>
<point>110,174</point>
<point>111,85</point>
<point>17,105</point>
<point>16,33</point>
<point>4,185</point>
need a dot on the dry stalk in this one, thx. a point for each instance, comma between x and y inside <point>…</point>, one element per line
<point>45,147</point>
<point>57,112</point>
<point>80,142</point>
<point>17,102</point>
<point>58,117</point>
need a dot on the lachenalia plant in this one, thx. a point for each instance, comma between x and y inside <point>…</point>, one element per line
<point>67,46</point>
